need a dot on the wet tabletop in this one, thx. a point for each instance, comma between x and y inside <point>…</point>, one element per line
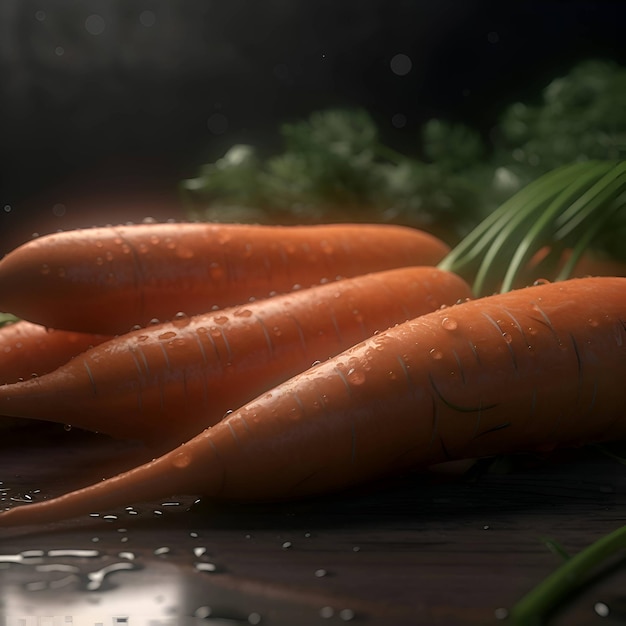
<point>424,549</point>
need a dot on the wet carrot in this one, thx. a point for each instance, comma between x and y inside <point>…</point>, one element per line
<point>28,349</point>
<point>534,368</point>
<point>164,384</point>
<point>106,280</point>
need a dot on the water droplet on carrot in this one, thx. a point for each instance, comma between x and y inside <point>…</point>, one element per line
<point>243,313</point>
<point>326,246</point>
<point>448,323</point>
<point>540,281</point>
<point>507,337</point>
<point>220,319</point>
<point>168,335</point>
<point>181,460</point>
<point>355,376</point>
<point>436,354</point>
<point>216,272</point>
<point>592,322</point>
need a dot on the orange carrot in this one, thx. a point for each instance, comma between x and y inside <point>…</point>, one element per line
<point>531,369</point>
<point>28,349</point>
<point>165,383</point>
<point>106,280</point>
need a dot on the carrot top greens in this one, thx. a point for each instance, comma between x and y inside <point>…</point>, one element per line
<point>345,164</point>
<point>569,207</point>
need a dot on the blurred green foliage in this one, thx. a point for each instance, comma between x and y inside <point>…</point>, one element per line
<point>334,166</point>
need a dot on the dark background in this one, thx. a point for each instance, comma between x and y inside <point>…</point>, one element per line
<point>106,105</point>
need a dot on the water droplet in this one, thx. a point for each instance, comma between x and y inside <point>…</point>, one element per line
<point>507,337</point>
<point>501,613</point>
<point>220,319</point>
<point>67,427</point>
<point>161,551</point>
<point>168,335</point>
<point>45,269</point>
<point>401,64</point>
<point>254,618</point>
<point>199,551</point>
<point>592,322</point>
<point>327,612</point>
<point>448,323</point>
<point>326,246</point>
<point>320,573</point>
<point>206,567</point>
<point>436,354</point>
<point>202,612</point>
<point>181,460</point>
<point>147,18</point>
<point>601,609</point>
<point>287,545</point>
<point>154,321</point>
<point>95,24</point>
<point>243,313</point>
<point>346,615</point>
<point>355,377</point>
<point>215,271</point>
<point>540,281</point>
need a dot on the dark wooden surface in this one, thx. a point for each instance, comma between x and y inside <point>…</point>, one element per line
<point>416,550</point>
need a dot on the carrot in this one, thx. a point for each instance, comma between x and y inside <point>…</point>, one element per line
<point>28,349</point>
<point>106,280</point>
<point>165,383</point>
<point>531,369</point>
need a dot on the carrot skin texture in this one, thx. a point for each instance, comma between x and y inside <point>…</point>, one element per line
<point>106,280</point>
<point>532,369</point>
<point>28,349</point>
<point>165,383</point>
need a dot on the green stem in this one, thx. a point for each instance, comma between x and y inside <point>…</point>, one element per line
<point>529,202</point>
<point>603,199</point>
<point>532,608</point>
<point>539,233</point>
